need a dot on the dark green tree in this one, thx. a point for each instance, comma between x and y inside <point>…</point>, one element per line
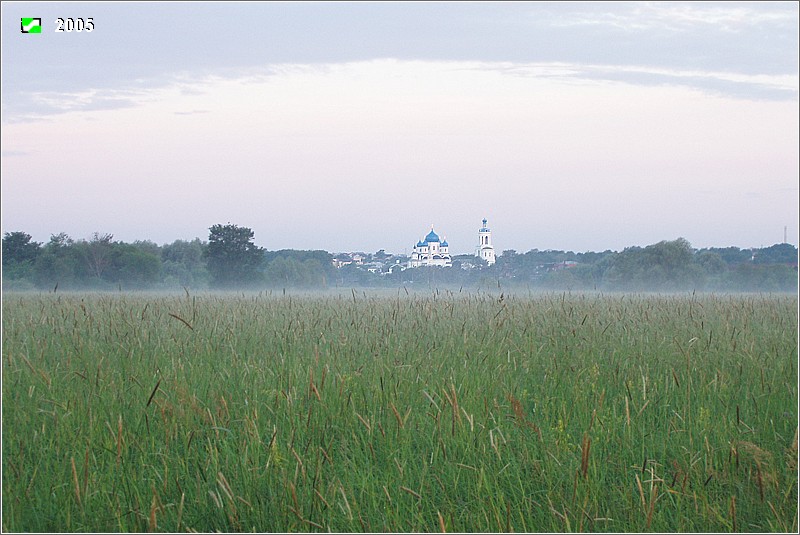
<point>732,256</point>
<point>19,254</point>
<point>148,246</point>
<point>183,264</point>
<point>289,272</point>
<point>19,247</point>
<point>133,267</point>
<point>232,258</point>
<point>761,278</point>
<point>98,253</point>
<point>316,268</point>
<point>712,263</point>
<point>663,266</point>
<point>780,253</point>
<point>60,263</point>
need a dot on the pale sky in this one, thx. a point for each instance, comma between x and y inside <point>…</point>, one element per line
<point>356,126</point>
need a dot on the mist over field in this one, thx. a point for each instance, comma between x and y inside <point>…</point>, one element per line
<point>231,261</point>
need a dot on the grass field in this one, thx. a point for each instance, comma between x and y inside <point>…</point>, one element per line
<point>442,411</point>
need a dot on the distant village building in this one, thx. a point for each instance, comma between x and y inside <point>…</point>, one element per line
<point>345,259</point>
<point>341,259</point>
<point>430,251</point>
<point>485,248</point>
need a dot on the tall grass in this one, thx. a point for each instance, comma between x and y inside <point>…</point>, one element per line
<point>430,412</point>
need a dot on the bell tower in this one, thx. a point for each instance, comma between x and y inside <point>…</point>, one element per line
<point>485,249</point>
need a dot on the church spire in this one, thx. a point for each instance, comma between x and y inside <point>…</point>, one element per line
<point>485,248</point>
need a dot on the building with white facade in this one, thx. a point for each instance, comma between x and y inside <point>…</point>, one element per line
<point>430,251</point>
<point>485,248</point>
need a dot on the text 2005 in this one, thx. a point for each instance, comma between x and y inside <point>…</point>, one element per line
<point>74,25</point>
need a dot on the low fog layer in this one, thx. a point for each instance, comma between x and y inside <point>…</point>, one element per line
<point>230,261</point>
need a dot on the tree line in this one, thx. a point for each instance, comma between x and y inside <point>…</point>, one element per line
<point>663,266</point>
<point>230,260</point>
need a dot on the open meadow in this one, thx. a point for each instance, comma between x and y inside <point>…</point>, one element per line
<point>425,412</point>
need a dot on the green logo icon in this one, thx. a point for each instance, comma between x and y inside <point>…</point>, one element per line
<point>32,25</point>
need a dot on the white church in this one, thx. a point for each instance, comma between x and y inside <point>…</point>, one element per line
<point>431,251</point>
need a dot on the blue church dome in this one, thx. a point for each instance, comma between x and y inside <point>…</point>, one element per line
<point>444,243</point>
<point>431,237</point>
<point>420,244</point>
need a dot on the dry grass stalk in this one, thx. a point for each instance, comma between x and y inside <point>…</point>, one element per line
<point>732,453</point>
<point>346,503</point>
<point>316,392</point>
<point>641,492</point>
<point>441,522</point>
<point>627,413</point>
<point>325,454</point>
<point>397,464</point>
<point>587,444</point>
<point>28,363</point>
<point>763,461</point>
<point>778,518</point>
<point>180,511</point>
<point>226,488</point>
<point>312,389</point>
<point>676,474</point>
<point>431,400</point>
<point>215,496</point>
<point>759,482</point>
<point>493,444</point>
<point>519,415</point>
<point>400,422</point>
<point>153,393</point>
<point>152,525</point>
<point>75,481</point>
<point>471,420</point>
<point>225,406</point>
<point>563,516</point>
<point>366,424</point>
<point>294,500</point>
<point>408,490</point>
<point>733,513</point>
<point>307,521</point>
<point>575,485</point>
<point>86,472</point>
<point>456,413</point>
<point>119,438</point>
<point>653,496</point>
<point>321,497</point>
<point>791,461</point>
<point>181,320</point>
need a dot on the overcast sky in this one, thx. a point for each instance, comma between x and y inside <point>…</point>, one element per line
<point>356,126</point>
